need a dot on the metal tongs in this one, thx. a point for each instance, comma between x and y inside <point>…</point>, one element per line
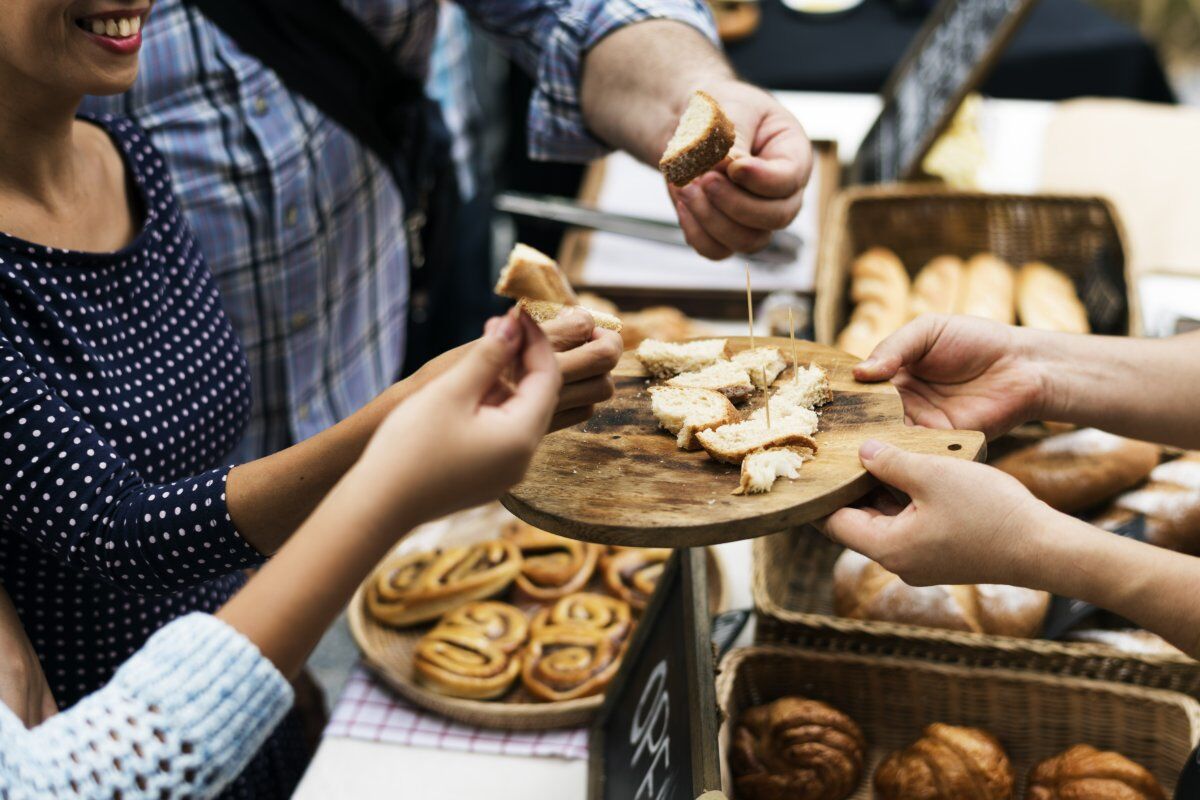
<point>784,247</point>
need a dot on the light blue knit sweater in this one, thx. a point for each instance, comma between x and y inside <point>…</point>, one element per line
<point>184,714</point>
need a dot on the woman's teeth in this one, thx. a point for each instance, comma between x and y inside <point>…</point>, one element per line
<point>115,28</point>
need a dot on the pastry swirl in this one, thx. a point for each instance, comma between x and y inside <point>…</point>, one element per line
<point>417,587</point>
<point>462,661</point>
<point>632,573</point>
<point>552,566</point>
<point>609,615</point>
<point>504,625</point>
<point>566,662</point>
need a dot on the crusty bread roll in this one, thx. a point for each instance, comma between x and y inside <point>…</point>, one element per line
<point>1079,470</point>
<point>947,763</point>
<point>879,289</point>
<point>988,289</point>
<point>543,311</point>
<point>1170,501</point>
<point>1046,299</point>
<point>666,323</point>
<point>936,288</point>
<point>863,589</point>
<point>796,749</point>
<point>1083,772</point>
<point>701,141</point>
<point>534,275</point>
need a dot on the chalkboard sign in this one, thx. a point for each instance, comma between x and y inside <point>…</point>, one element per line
<point>950,57</point>
<point>656,736</point>
<point>1188,787</point>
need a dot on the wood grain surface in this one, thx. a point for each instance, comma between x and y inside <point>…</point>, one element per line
<point>620,479</point>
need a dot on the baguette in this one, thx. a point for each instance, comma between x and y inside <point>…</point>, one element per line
<point>879,288</point>
<point>936,288</point>
<point>1046,299</point>
<point>543,311</point>
<point>988,289</point>
<point>536,276</point>
<point>701,141</point>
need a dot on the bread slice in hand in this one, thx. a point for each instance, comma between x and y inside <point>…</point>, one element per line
<point>763,363</point>
<point>701,141</point>
<point>761,469</point>
<point>684,411</point>
<point>664,359</point>
<point>543,311</point>
<point>725,377</point>
<point>732,443</point>
<point>534,275</point>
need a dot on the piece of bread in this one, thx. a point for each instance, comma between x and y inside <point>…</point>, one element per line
<point>1170,502</point>
<point>936,288</point>
<point>863,589</point>
<point>543,311</point>
<point>684,410</point>
<point>1047,300</point>
<point>665,323</point>
<point>763,363</point>
<point>534,275</point>
<point>988,289</point>
<point>665,359</point>
<point>785,411</point>
<point>702,139</point>
<point>879,288</point>
<point>808,387</point>
<point>594,302</point>
<point>726,377</point>
<point>732,443</point>
<point>1077,471</point>
<point>796,749</point>
<point>1083,771</point>
<point>947,763</point>
<point>760,470</point>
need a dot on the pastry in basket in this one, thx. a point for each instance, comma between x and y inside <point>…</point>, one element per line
<point>418,587</point>
<point>879,289</point>
<point>1170,502</point>
<point>988,289</point>
<point>947,763</point>
<point>569,661</point>
<point>632,573</point>
<point>658,322</point>
<point>936,288</point>
<point>685,411</point>
<point>609,615</point>
<point>472,653</point>
<point>796,749</point>
<point>1046,299</point>
<point>701,140</point>
<point>1076,471</point>
<point>667,359</point>
<point>863,589</point>
<point>551,566</point>
<point>1085,773</point>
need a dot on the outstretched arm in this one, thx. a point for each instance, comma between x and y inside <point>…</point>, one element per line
<point>974,374</point>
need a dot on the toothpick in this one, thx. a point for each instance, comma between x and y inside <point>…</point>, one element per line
<point>795,359</point>
<point>749,305</point>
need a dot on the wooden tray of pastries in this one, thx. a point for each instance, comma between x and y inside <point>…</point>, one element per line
<point>488,621</point>
<point>845,726</point>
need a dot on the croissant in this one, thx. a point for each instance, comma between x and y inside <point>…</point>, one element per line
<point>566,662</point>
<point>879,288</point>
<point>551,566</point>
<point>609,615</point>
<point>796,749</point>
<point>632,573</point>
<point>947,763</point>
<point>415,588</point>
<point>1085,773</point>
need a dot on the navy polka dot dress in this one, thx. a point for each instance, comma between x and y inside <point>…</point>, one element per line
<point>122,387</point>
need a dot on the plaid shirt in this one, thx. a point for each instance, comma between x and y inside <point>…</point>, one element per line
<point>299,223</point>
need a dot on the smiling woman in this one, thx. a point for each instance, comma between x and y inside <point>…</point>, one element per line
<point>118,31</point>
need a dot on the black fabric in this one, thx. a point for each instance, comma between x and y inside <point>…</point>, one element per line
<point>324,53</point>
<point>1066,48</point>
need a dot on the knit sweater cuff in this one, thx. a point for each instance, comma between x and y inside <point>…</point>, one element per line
<point>216,692</point>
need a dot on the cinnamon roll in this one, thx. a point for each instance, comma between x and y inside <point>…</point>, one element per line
<point>552,566</point>
<point>609,615</point>
<point>566,662</point>
<point>503,624</point>
<point>462,661</point>
<point>414,588</point>
<point>632,573</point>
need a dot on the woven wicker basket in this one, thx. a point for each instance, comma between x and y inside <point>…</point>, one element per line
<point>1033,716</point>
<point>793,595</point>
<point>1079,235</point>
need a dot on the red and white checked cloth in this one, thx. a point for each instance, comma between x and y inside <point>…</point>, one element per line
<point>369,710</point>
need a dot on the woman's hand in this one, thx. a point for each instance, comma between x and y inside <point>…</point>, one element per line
<point>469,434</point>
<point>23,686</point>
<point>966,522</point>
<point>962,372</point>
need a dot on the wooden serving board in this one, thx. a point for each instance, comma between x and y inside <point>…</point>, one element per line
<point>620,479</point>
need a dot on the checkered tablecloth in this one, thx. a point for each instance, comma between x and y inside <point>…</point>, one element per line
<point>368,710</point>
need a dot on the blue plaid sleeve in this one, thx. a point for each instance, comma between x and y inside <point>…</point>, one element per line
<point>550,39</point>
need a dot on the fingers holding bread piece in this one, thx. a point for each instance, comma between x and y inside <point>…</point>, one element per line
<point>702,139</point>
<point>534,275</point>
<point>544,310</point>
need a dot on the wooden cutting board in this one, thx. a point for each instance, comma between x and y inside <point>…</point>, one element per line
<point>619,478</point>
